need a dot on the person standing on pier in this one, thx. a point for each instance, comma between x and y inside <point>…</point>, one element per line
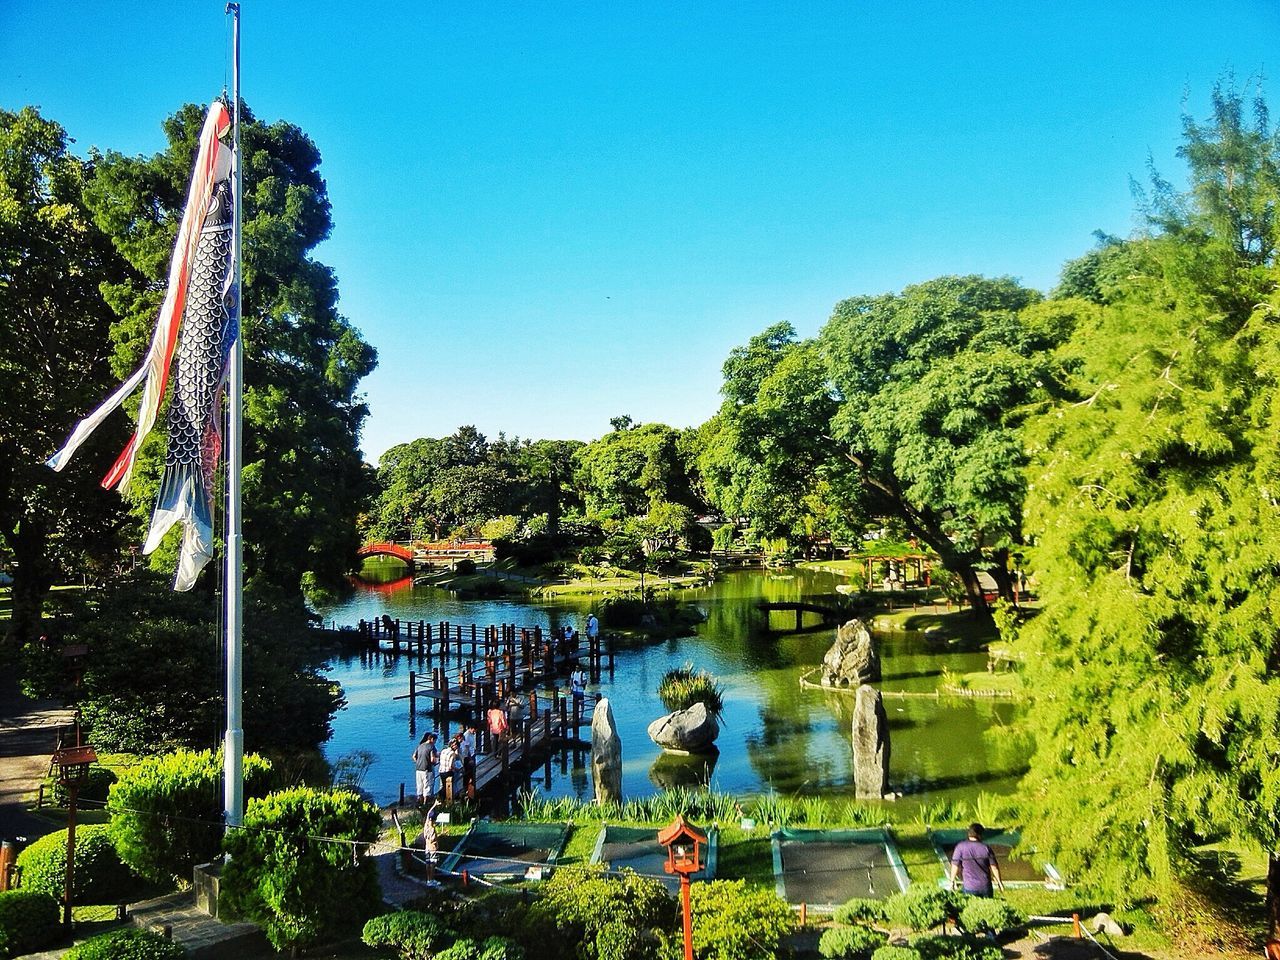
<point>578,683</point>
<point>425,758</point>
<point>467,750</point>
<point>497,717</point>
<point>448,756</point>
<point>593,630</point>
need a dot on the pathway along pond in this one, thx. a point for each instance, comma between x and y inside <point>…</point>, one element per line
<point>774,734</point>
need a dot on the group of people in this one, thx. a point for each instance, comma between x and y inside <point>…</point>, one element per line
<point>448,771</point>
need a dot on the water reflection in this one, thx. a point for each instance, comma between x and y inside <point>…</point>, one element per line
<point>774,732</point>
<point>683,770</point>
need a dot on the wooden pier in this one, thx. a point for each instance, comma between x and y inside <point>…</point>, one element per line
<point>464,669</point>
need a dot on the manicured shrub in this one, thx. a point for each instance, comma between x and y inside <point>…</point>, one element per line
<point>493,948</point>
<point>618,941</point>
<point>298,887</point>
<point>894,952</point>
<point>857,943</point>
<point>413,934</point>
<point>860,910</point>
<point>127,944</point>
<point>28,922</point>
<point>922,906</point>
<point>166,811</point>
<point>585,905</point>
<point>981,914</point>
<point>94,789</point>
<point>99,877</point>
<point>734,922</point>
<point>934,947</point>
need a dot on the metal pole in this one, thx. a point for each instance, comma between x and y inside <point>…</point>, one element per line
<point>233,749</point>
<point>68,880</point>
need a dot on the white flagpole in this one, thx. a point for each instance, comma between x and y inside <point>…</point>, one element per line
<point>233,747</point>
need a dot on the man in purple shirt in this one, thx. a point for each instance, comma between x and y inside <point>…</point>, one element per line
<point>975,865</point>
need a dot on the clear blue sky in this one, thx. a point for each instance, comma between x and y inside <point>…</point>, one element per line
<point>548,214</point>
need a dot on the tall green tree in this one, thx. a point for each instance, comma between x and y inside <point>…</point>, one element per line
<point>932,384</point>
<point>626,472</point>
<point>767,455</point>
<point>303,478</point>
<point>54,365</point>
<point>1153,509</point>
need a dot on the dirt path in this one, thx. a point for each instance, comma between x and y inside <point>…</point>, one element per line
<point>28,734</point>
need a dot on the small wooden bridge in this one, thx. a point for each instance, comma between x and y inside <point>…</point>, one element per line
<point>830,613</point>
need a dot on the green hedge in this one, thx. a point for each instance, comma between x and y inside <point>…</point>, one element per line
<point>922,906</point>
<point>893,952</point>
<point>127,944</point>
<point>296,866</point>
<point>860,910</point>
<point>166,811</point>
<point>414,935</point>
<point>985,913</point>
<point>28,922</point>
<point>857,943</point>
<point>100,875</point>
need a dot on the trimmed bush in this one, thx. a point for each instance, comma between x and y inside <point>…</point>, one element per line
<point>100,875</point>
<point>298,887</point>
<point>586,906</point>
<point>988,914</point>
<point>28,922</point>
<point>166,811</point>
<point>493,948</point>
<point>934,947</point>
<point>922,906</point>
<point>127,944</point>
<point>95,788</point>
<point>413,934</point>
<point>856,943</point>
<point>734,922</point>
<point>893,952</point>
<point>860,910</point>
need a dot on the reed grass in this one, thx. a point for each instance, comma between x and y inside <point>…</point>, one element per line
<point>682,687</point>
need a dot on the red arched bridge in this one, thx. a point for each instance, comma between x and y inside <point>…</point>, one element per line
<point>443,551</point>
<point>386,550</point>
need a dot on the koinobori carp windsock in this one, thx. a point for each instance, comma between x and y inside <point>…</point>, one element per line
<point>199,321</point>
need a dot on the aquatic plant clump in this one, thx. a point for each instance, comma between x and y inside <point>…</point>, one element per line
<point>682,687</point>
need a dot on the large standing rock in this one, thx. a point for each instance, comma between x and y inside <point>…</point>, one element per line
<point>606,753</point>
<point>691,730</point>
<point>852,659</point>
<point>870,745</point>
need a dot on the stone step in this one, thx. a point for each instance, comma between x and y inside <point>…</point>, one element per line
<point>204,937</point>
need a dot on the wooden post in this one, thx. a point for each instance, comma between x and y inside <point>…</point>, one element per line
<point>413,696</point>
<point>564,711</point>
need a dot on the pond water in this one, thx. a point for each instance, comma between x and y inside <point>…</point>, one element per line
<point>774,733</point>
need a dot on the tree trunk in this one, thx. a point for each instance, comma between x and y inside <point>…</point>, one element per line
<point>958,563</point>
<point>31,581</point>
<point>1000,574</point>
<point>1273,898</point>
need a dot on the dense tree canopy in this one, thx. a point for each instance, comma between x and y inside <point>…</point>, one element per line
<point>303,478</point>
<point>433,488</point>
<point>1156,524</point>
<point>54,353</point>
<point>767,455</point>
<point>933,383</point>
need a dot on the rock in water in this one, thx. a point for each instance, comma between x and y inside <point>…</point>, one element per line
<point>690,730</point>
<point>870,745</point>
<point>606,754</point>
<point>852,659</point>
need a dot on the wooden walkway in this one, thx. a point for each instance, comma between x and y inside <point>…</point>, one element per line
<point>465,669</point>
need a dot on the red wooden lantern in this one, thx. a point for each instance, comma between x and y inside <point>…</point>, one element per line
<point>684,858</point>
